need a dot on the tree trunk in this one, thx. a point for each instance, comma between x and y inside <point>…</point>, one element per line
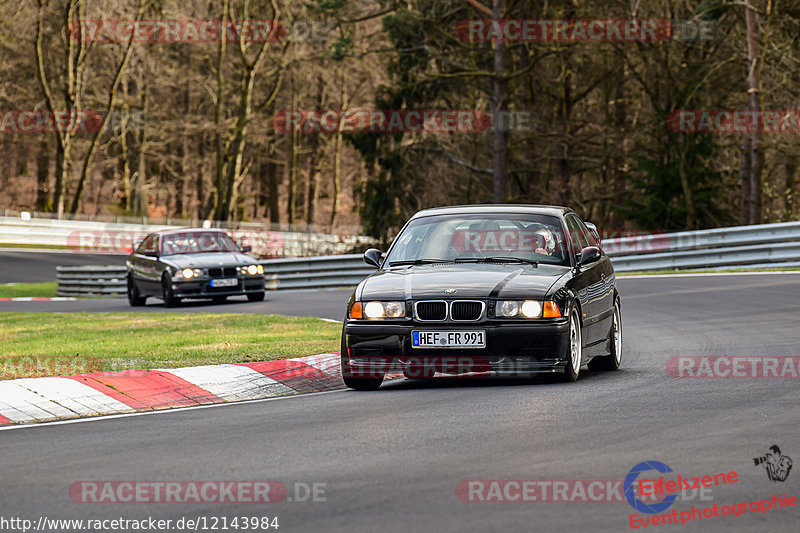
<point>62,176</point>
<point>752,162</point>
<point>312,163</point>
<point>499,105</point>
<point>337,151</point>
<point>272,180</point>
<point>292,175</point>
<point>43,176</point>
<point>202,208</point>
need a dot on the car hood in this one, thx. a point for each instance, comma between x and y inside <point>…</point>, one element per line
<point>214,259</point>
<point>470,280</point>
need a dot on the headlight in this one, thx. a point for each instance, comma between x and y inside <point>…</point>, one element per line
<point>188,273</point>
<point>531,309</point>
<point>519,309</point>
<point>252,269</point>
<point>507,309</point>
<point>384,309</point>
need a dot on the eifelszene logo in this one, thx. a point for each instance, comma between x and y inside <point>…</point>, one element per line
<point>630,483</point>
<point>777,466</point>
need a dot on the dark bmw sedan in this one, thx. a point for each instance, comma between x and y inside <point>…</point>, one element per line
<point>192,263</point>
<point>510,289</point>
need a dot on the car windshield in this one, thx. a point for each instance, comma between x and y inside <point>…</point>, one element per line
<point>481,237</point>
<point>198,242</point>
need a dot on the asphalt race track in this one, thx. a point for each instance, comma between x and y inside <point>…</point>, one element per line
<point>391,460</point>
<point>30,266</point>
<point>324,304</point>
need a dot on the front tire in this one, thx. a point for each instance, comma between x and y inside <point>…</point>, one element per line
<point>357,382</point>
<point>135,299</point>
<point>613,360</point>
<point>256,297</point>
<point>166,292</point>
<point>574,348</point>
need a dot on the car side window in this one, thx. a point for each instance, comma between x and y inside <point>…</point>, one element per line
<point>147,245</point>
<point>576,238</point>
<point>587,234</point>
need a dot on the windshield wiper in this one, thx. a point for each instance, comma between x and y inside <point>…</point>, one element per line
<point>506,259</point>
<point>418,262</point>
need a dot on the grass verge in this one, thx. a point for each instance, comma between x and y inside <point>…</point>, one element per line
<point>23,290</point>
<point>51,344</point>
<point>35,246</point>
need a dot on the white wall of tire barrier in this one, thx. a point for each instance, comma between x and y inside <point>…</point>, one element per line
<point>84,236</point>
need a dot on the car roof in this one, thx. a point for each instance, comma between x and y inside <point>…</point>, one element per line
<point>189,230</point>
<point>553,210</point>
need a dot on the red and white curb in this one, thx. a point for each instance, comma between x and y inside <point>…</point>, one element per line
<point>102,393</point>
<point>39,299</point>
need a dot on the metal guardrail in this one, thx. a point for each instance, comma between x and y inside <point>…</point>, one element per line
<point>279,274</point>
<point>763,246</point>
<point>91,280</point>
<point>316,272</point>
<point>768,245</point>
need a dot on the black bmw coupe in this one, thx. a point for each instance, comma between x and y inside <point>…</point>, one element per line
<point>509,289</point>
<point>192,263</point>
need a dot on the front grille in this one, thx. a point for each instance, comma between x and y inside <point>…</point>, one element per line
<point>431,310</point>
<point>466,310</point>
<point>220,272</point>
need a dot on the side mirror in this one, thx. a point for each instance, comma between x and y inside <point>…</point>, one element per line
<point>246,249</point>
<point>373,257</point>
<point>594,231</point>
<point>590,254</point>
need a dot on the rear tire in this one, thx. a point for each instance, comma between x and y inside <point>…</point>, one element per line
<point>166,292</point>
<point>256,297</point>
<point>134,297</point>
<point>574,353</point>
<point>357,382</point>
<point>613,360</point>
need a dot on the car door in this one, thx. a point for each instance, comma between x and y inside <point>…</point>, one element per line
<point>592,280</point>
<point>148,271</point>
<point>136,263</point>
<point>608,276</point>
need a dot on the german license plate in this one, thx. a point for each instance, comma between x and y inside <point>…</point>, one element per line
<point>230,282</point>
<point>448,339</point>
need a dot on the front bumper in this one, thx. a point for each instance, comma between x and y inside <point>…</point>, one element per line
<point>511,348</point>
<point>201,287</point>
